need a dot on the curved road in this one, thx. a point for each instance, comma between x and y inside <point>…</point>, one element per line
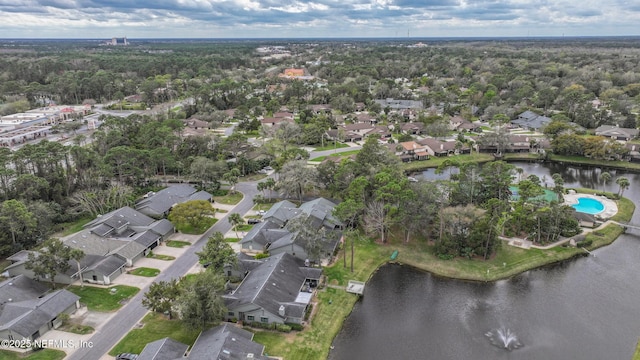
<point>130,314</point>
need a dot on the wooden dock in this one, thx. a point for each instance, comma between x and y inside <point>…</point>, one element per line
<point>355,287</point>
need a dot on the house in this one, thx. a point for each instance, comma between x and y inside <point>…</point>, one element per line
<point>31,318</point>
<point>196,124</point>
<point>381,131</point>
<point>92,267</point>
<point>277,291</point>
<point>225,342</point>
<point>273,121</point>
<point>617,133</point>
<point>163,349</point>
<point>125,233</point>
<point>320,108</point>
<point>412,128</point>
<point>273,236</point>
<point>409,150</point>
<point>20,288</point>
<point>346,136</point>
<point>435,147</point>
<point>159,204</point>
<point>530,120</point>
<point>292,72</point>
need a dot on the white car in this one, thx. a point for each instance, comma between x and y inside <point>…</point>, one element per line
<point>261,212</point>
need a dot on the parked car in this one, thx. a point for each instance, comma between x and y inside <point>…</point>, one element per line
<point>252,221</point>
<point>261,212</point>
<point>126,356</point>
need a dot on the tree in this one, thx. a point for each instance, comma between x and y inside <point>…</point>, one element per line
<point>18,221</point>
<point>217,253</point>
<point>200,301</point>
<point>623,184</point>
<point>296,179</point>
<point>235,220</point>
<point>161,297</point>
<point>231,177</point>
<point>606,178</point>
<point>53,258</point>
<point>192,213</point>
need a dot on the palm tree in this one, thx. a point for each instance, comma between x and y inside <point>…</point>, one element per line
<point>624,183</point>
<point>235,220</point>
<point>606,178</point>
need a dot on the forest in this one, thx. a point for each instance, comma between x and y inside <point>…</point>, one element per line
<point>46,184</point>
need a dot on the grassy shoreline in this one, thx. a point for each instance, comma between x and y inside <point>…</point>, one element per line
<point>334,305</point>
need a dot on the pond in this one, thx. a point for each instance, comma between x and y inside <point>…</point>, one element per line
<point>584,308</point>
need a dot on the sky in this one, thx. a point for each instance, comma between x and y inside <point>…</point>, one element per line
<point>317,18</point>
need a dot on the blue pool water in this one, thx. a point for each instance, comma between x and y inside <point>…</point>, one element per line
<point>588,205</point>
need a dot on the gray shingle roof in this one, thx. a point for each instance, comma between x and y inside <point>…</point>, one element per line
<point>531,120</point>
<point>146,238</point>
<point>614,131</point>
<point>258,234</point>
<point>281,212</point>
<point>276,281</point>
<point>20,288</point>
<point>161,202</point>
<point>226,342</point>
<point>163,349</point>
<point>26,317</point>
<point>108,265</point>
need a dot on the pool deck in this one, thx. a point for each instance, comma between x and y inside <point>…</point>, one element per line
<point>610,207</point>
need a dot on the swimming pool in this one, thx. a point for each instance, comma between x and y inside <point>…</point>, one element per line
<point>589,206</point>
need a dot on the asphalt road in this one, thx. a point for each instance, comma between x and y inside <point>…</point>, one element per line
<point>130,314</point>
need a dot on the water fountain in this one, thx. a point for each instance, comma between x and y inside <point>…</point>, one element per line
<point>504,338</point>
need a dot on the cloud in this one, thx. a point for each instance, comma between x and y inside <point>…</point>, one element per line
<point>260,18</point>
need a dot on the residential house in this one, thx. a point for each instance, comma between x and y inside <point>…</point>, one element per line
<point>20,288</point>
<point>274,121</point>
<point>273,236</point>
<point>277,291</point>
<point>435,147</point>
<point>91,267</point>
<point>320,108</point>
<point>409,150</point>
<point>346,136</point>
<point>412,128</point>
<point>634,152</point>
<point>381,131</point>
<point>196,124</point>
<point>520,143</point>
<point>158,204</point>
<point>226,342</point>
<point>365,118</point>
<point>531,121</point>
<point>617,133</point>
<point>126,233</point>
<point>29,318</point>
<point>163,349</point>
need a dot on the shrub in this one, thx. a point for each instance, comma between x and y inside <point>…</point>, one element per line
<point>308,312</point>
<point>296,327</point>
<point>262,255</point>
<point>283,328</point>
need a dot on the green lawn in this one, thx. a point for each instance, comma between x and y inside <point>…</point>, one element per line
<point>155,327</point>
<point>604,163</point>
<point>104,299</point>
<point>188,229</point>
<point>263,207</point>
<point>331,147</point>
<point>253,177</point>
<point>45,354</point>
<point>4,264</point>
<point>145,271</point>
<point>342,154</point>
<point>177,243</point>
<point>232,239</point>
<point>151,255</point>
<point>229,198</point>
<point>243,227</point>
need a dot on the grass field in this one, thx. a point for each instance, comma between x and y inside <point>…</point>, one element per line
<point>155,327</point>
<point>230,198</point>
<point>434,162</point>
<point>243,227</point>
<point>636,355</point>
<point>177,243</point>
<point>263,207</point>
<point>77,328</point>
<point>104,299</point>
<point>145,271</point>
<point>45,354</point>
<point>71,227</point>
